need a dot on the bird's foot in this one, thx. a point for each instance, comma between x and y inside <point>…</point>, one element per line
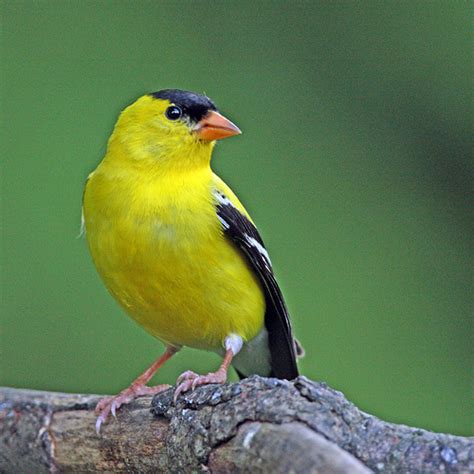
<point>190,380</point>
<point>112,404</point>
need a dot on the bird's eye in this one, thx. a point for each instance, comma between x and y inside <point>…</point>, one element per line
<point>173,112</point>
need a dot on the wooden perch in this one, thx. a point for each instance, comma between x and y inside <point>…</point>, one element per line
<point>257,425</point>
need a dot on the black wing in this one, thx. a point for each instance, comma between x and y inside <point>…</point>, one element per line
<point>244,234</point>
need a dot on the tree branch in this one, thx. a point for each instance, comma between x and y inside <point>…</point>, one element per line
<point>257,425</point>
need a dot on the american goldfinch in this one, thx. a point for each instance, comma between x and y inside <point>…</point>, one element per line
<point>177,249</point>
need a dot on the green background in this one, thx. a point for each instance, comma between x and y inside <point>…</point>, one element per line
<point>355,162</point>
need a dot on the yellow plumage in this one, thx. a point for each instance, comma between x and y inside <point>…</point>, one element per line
<point>177,249</point>
<point>151,225</point>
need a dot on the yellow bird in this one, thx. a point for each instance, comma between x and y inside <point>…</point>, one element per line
<point>177,249</point>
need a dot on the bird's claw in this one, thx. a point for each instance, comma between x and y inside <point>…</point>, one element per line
<point>112,409</point>
<point>184,383</point>
<point>112,404</point>
<point>98,424</point>
<point>188,375</point>
<point>190,380</point>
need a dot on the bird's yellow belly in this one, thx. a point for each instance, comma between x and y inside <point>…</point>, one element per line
<point>184,288</point>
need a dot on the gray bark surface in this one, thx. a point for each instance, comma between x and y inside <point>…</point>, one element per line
<point>256,425</point>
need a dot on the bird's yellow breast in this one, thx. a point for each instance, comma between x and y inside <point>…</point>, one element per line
<point>158,245</point>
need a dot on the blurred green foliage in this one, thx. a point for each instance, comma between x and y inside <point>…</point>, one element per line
<point>355,162</point>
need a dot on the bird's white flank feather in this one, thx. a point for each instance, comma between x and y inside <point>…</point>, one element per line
<point>233,343</point>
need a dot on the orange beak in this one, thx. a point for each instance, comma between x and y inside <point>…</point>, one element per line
<point>214,126</point>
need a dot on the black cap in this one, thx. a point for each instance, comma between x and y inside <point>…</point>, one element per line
<point>195,106</point>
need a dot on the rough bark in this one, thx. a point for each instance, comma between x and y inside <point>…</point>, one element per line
<point>257,425</point>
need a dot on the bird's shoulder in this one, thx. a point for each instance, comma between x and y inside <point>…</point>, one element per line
<point>221,189</point>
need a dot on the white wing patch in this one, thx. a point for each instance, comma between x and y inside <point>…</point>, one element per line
<point>224,223</point>
<point>255,243</point>
<point>222,198</point>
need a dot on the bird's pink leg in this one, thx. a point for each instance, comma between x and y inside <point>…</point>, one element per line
<point>137,388</point>
<point>190,380</point>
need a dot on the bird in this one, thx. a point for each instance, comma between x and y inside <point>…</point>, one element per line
<point>177,249</point>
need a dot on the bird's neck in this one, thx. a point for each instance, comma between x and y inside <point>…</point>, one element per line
<point>146,174</point>
<point>155,159</point>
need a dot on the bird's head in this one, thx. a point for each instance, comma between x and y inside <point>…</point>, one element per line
<point>172,128</point>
